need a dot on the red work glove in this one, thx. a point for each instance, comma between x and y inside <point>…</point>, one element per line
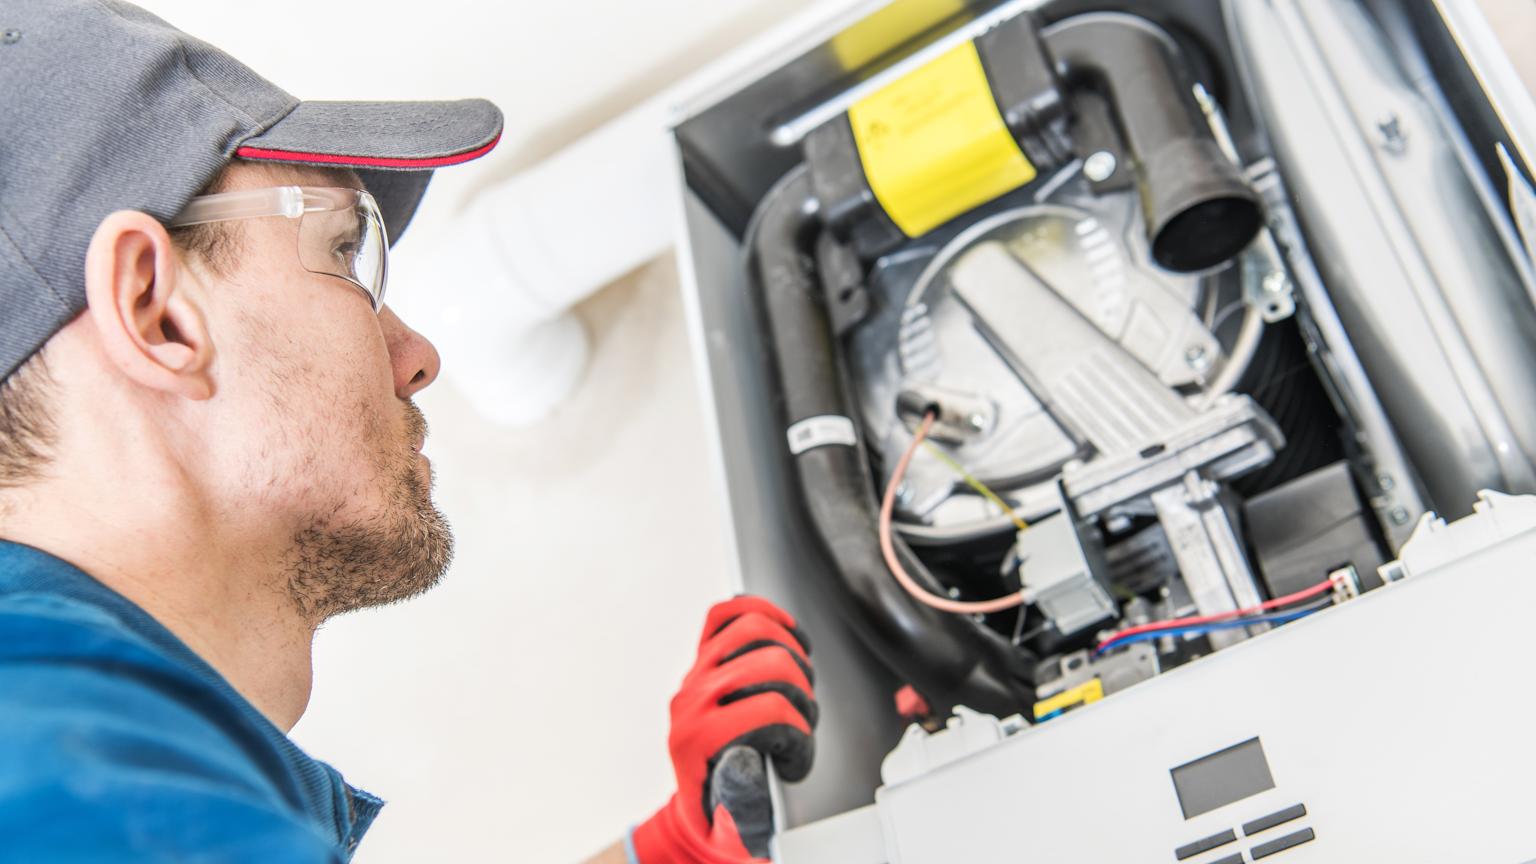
<point>748,697</point>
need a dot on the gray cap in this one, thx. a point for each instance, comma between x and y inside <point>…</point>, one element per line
<point>105,107</point>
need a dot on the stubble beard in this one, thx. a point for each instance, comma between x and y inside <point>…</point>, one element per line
<point>402,552</point>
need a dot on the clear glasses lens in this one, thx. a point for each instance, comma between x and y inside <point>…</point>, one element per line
<point>349,242</point>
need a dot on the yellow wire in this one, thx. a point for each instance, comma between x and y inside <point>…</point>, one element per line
<point>979,486</point>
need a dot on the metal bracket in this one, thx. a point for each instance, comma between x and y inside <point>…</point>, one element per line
<point>1209,553</point>
<point>1233,437</point>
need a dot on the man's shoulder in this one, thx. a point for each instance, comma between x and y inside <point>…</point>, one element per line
<point>104,731</point>
<point>33,620</point>
<point>41,631</point>
<point>78,685</point>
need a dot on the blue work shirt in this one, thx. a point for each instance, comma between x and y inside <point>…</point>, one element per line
<point>118,743</point>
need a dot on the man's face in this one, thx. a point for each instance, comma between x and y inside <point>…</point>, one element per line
<point>314,390</point>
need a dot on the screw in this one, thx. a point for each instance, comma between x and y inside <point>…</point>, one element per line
<point>1392,137</point>
<point>977,422</point>
<point>1200,493</point>
<point>1275,282</point>
<point>10,36</point>
<point>1384,482</point>
<point>1099,166</point>
<point>1197,357</point>
<point>1399,516</point>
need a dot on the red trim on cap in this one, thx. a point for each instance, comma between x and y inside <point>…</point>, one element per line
<point>364,161</point>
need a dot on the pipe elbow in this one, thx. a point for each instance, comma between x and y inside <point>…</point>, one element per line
<point>1199,210</point>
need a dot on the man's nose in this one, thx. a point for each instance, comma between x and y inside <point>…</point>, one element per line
<point>414,360</point>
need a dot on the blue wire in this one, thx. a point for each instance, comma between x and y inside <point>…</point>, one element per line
<point>1279,618</point>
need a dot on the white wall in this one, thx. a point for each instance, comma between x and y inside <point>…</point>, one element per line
<point>519,711</point>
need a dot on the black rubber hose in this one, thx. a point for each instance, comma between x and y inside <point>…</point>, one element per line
<point>949,659</point>
<point>1199,210</point>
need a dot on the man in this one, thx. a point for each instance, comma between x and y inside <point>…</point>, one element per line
<point>208,448</point>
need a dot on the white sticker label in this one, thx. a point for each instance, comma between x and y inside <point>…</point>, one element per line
<point>820,431</point>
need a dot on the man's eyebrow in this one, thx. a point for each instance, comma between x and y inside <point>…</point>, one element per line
<point>342,177</point>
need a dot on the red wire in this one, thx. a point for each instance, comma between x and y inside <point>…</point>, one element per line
<point>888,547</point>
<point>1304,594</point>
<point>1009,601</point>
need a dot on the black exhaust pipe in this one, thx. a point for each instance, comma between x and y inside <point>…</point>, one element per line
<point>950,659</point>
<point>1199,210</point>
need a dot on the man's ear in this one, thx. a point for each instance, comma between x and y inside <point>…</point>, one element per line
<point>148,323</point>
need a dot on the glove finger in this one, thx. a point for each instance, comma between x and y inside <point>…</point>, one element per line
<point>753,625</point>
<point>748,633</point>
<point>791,749</point>
<point>745,718</point>
<point>804,704</point>
<point>759,672</point>
<point>724,613</point>
<point>766,722</point>
<point>805,665</point>
<point>739,800</point>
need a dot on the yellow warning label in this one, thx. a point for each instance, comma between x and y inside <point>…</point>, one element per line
<point>1082,694</point>
<point>891,27</point>
<point>934,144</point>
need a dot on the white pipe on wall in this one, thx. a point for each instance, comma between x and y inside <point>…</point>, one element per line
<point>505,271</point>
<point>501,276</point>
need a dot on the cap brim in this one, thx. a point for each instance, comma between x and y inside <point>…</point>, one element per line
<point>394,146</point>
<point>400,136</point>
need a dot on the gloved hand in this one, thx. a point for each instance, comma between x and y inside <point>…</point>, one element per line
<point>748,696</point>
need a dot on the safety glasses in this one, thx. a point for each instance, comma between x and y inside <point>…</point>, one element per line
<point>341,232</point>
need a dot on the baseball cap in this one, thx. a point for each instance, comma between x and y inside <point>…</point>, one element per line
<point>105,107</point>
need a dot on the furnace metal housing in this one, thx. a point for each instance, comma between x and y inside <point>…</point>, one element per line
<point>1250,293</point>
